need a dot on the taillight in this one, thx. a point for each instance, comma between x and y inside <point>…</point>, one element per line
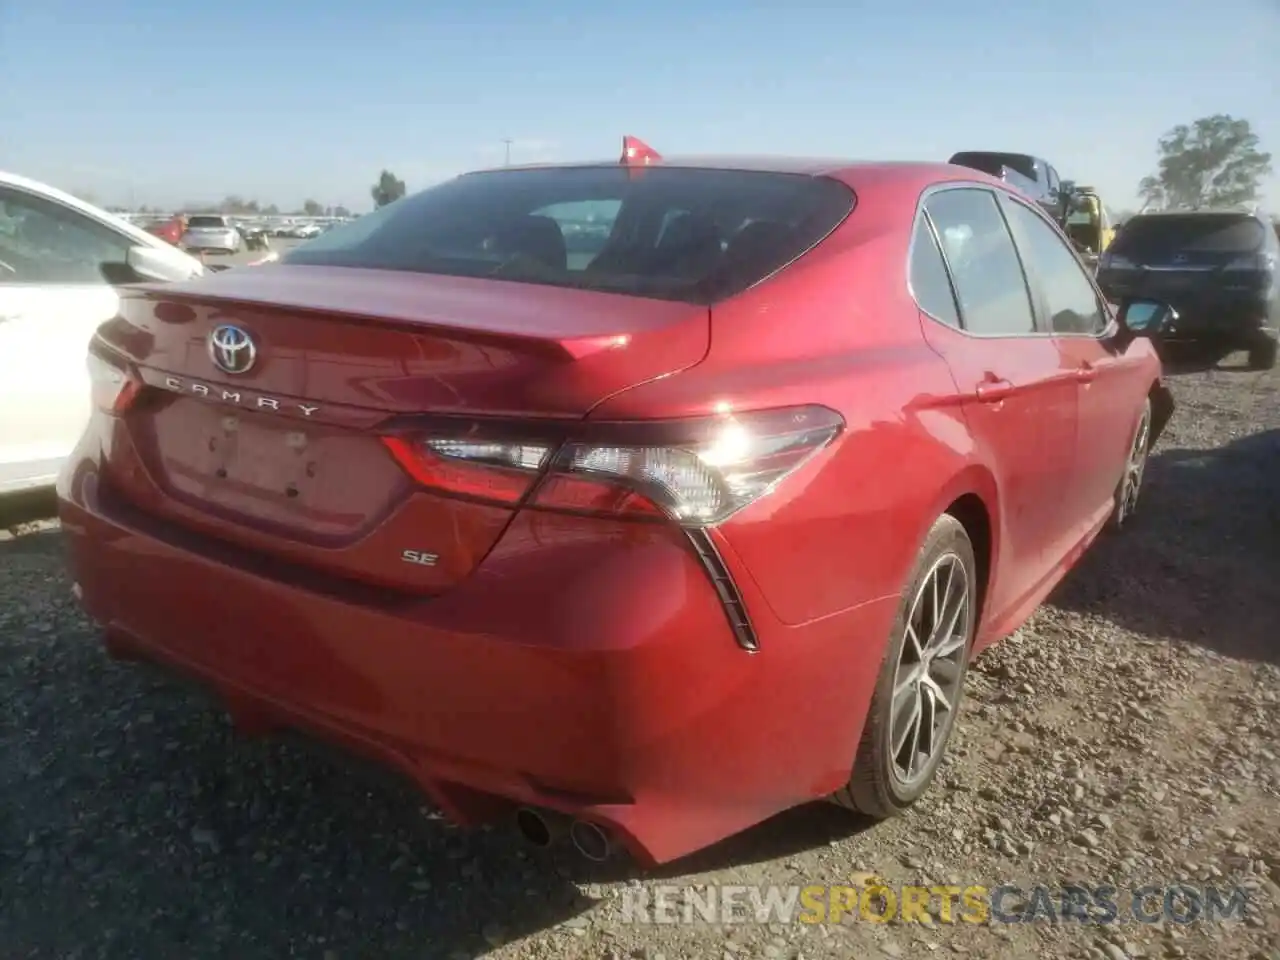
<point>1262,262</point>
<point>485,470</point>
<point>1109,261</point>
<point>697,473</point>
<point>113,388</point>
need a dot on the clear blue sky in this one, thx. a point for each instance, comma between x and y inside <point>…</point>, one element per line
<point>166,102</point>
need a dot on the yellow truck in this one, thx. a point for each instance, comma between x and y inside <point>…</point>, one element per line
<point>1089,224</point>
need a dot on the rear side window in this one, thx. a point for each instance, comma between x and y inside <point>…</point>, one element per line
<point>1191,233</point>
<point>929,281</point>
<point>1070,301</point>
<point>984,263</point>
<point>671,233</point>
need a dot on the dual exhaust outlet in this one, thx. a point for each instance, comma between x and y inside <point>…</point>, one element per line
<point>542,828</point>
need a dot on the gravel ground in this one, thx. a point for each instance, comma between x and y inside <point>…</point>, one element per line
<point>1127,735</point>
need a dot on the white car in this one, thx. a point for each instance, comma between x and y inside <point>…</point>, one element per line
<point>212,232</point>
<point>60,262</point>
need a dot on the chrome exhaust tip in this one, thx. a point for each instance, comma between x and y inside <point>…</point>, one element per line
<point>590,840</point>
<point>537,829</point>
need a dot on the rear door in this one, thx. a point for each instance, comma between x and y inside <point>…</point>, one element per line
<point>1109,384</point>
<point>53,296</point>
<point>1016,390</point>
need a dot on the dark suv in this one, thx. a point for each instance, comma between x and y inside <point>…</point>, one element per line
<point>1219,270</point>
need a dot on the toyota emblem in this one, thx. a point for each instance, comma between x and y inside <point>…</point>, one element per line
<point>231,349</point>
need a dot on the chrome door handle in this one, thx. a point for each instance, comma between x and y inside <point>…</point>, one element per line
<point>993,391</point>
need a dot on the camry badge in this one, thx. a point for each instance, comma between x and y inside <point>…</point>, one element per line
<point>231,349</point>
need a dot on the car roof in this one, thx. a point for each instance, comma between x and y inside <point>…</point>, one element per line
<point>1201,212</point>
<point>860,174</point>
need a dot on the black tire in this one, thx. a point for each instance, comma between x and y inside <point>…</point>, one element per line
<point>875,787</point>
<point>1262,355</point>
<point>1126,495</point>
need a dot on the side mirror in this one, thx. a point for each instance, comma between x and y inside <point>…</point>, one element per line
<point>1145,318</point>
<point>157,263</point>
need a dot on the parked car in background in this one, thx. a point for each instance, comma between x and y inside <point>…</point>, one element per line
<point>170,230</point>
<point>61,260</point>
<point>212,233</point>
<point>297,230</point>
<point>1220,270</point>
<point>659,539</point>
<point>255,236</point>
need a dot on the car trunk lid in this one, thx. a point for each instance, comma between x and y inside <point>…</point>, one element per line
<point>284,456</point>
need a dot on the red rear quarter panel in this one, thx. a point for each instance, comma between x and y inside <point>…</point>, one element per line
<point>838,328</point>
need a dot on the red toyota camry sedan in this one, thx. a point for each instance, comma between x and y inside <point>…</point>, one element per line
<point>645,499</point>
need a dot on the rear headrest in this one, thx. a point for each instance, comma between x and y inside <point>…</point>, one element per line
<point>689,230</point>
<point>689,246</point>
<point>757,244</point>
<point>536,237</point>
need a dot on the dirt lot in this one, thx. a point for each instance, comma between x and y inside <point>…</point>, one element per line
<point>1128,735</point>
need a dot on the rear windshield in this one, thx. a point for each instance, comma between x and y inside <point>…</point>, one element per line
<point>990,162</point>
<point>206,222</point>
<point>1192,233</point>
<point>692,235</point>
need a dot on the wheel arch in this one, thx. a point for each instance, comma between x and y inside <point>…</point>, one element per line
<point>971,512</point>
<point>972,498</point>
<point>1162,407</point>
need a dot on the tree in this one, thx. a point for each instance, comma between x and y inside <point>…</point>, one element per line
<point>312,209</point>
<point>341,211</point>
<point>1214,162</point>
<point>387,190</point>
<point>238,205</point>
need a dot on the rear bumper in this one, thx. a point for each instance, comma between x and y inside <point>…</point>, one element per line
<point>1209,313</point>
<point>1234,325</point>
<point>594,674</point>
<point>210,242</point>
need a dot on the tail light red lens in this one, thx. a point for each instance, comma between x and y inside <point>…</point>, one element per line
<point>704,473</point>
<point>483,470</point>
<point>114,388</point>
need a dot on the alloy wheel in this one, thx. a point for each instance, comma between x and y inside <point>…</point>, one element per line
<point>926,684</point>
<point>1135,467</point>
